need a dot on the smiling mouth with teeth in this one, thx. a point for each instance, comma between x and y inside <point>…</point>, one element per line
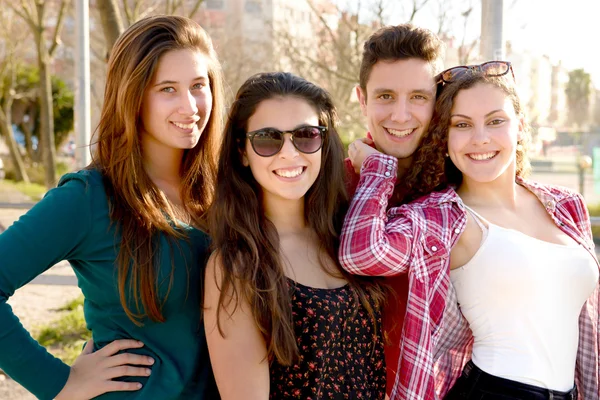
<point>184,126</point>
<point>482,156</point>
<point>289,173</point>
<point>400,133</point>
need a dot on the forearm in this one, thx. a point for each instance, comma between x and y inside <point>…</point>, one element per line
<point>25,361</point>
<point>370,244</point>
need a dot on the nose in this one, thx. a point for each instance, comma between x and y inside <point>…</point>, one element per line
<point>288,150</point>
<point>401,112</point>
<point>188,104</point>
<point>480,135</point>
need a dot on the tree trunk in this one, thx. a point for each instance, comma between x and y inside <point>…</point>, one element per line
<point>112,25</point>
<point>31,154</point>
<point>13,147</point>
<point>46,118</point>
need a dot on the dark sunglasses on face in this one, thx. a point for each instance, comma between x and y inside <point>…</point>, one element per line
<point>267,142</point>
<point>490,68</point>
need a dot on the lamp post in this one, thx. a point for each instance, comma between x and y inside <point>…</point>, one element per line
<point>82,92</point>
<point>583,164</point>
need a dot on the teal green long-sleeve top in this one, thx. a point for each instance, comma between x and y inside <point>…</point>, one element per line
<point>72,223</point>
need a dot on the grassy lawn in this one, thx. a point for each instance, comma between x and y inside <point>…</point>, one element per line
<point>64,338</point>
<point>33,190</point>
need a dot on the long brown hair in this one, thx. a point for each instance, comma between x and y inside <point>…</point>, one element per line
<point>137,206</point>
<point>247,242</point>
<point>431,168</point>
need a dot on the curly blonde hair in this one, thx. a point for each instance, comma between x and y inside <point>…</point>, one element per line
<point>431,168</point>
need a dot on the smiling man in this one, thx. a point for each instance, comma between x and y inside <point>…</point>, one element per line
<point>397,90</point>
<point>397,95</point>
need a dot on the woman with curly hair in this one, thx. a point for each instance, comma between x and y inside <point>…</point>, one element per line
<point>282,319</point>
<point>130,224</point>
<point>504,294</point>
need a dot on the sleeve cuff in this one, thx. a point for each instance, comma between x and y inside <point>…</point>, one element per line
<point>380,165</point>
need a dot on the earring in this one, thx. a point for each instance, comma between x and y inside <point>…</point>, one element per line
<point>446,155</point>
<point>519,147</point>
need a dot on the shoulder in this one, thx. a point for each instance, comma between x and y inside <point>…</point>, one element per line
<point>86,177</point>
<point>552,192</point>
<point>434,212</point>
<point>439,199</point>
<point>74,187</point>
<point>84,190</point>
<point>559,199</point>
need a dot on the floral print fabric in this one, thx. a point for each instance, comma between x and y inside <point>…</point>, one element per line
<point>341,351</point>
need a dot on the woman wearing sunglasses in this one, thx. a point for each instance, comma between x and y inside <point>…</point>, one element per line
<point>503,300</point>
<point>283,321</point>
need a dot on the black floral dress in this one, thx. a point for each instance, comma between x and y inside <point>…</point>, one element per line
<point>341,357</point>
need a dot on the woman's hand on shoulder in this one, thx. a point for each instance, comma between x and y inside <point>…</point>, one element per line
<point>92,373</point>
<point>359,150</point>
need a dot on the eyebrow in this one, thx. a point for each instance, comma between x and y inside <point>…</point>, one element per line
<point>467,117</point>
<point>170,82</point>
<point>386,90</point>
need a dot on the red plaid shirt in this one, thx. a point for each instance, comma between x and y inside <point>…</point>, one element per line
<point>395,309</point>
<point>416,239</point>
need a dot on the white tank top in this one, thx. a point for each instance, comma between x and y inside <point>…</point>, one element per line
<point>522,298</point>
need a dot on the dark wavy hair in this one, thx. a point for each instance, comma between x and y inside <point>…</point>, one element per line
<point>247,243</point>
<point>136,204</point>
<point>431,168</point>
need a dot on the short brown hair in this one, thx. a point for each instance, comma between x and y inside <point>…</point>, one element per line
<point>400,42</point>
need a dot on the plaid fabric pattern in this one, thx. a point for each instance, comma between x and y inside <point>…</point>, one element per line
<point>416,239</point>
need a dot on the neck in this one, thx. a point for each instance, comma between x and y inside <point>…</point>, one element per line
<point>286,215</point>
<point>161,163</point>
<point>502,192</point>
<point>403,166</point>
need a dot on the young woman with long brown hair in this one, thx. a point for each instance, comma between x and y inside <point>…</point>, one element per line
<point>283,321</point>
<point>504,293</point>
<point>130,225</point>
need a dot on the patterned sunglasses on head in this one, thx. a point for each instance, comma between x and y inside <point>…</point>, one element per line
<point>490,68</point>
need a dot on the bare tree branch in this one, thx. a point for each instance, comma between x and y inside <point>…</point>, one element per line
<point>58,28</point>
<point>24,12</point>
<point>417,6</point>
<point>195,8</point>
<point>128,12</point>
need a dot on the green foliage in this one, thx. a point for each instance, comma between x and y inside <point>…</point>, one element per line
<point>65,337</point>
<point>63,99</point>
<point>34,191</point>
<point>35,171</point>
<point>73,304</point>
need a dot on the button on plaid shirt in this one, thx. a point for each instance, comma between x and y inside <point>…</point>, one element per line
<point>416,239</point>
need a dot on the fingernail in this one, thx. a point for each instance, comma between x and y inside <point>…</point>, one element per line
<point>148,371</point>
<point>140,343</point>
<point>151,360</point>
<point>139,385</point>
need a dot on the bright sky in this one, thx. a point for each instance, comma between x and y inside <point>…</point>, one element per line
<point>567,30</point>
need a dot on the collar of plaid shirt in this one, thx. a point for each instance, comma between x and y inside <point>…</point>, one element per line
<point>416,239</point>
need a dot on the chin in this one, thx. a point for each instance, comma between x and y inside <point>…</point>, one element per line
<point>189,145</point>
